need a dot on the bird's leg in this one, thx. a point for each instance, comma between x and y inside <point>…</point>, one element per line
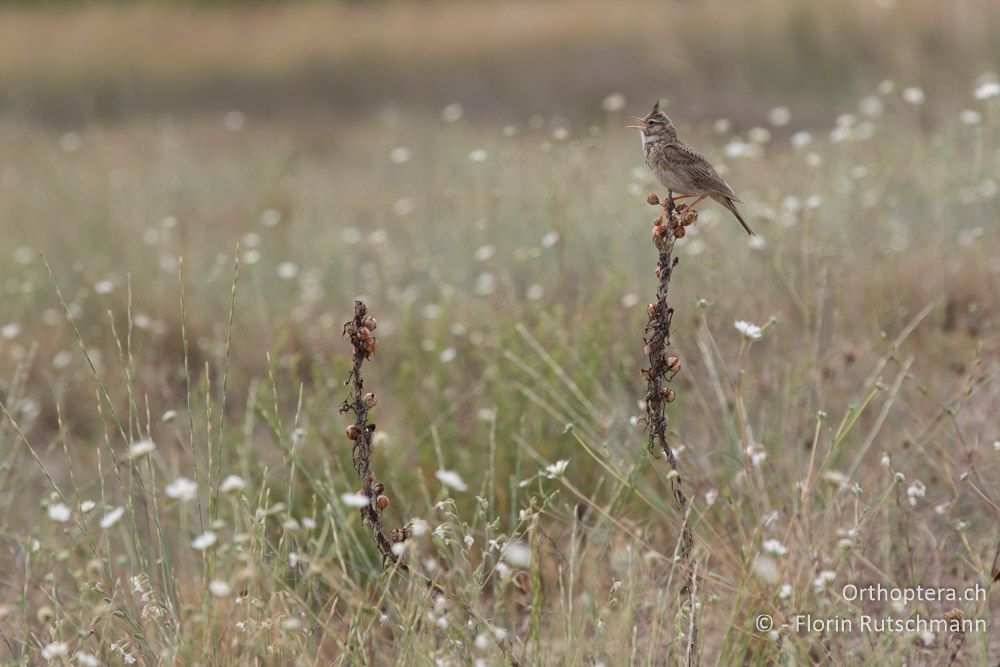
<point>670,203</point>
<point>690,215</point>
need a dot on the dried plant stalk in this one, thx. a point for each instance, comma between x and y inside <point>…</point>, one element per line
<point>360,331</point>
<point>667,228</point>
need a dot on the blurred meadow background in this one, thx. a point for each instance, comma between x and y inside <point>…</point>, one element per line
<point>192,196</point>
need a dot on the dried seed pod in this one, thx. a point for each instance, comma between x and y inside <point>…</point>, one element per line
<point>658,220</point>
<point>652,199</point>
<point>351,329</point>
<point>370,346</point>
<point>364,333</point>
<point>353,432</point>
<point>651,308</point>
<point>378,488</point>
<point>646,349</point>
<point>659,272</point>
<point>689,217</point>
<point>673,364</point>
<point>382,502</point>
<point>669,395</point>
<point>369,322</point>
<point>370,400</point>
<point>397,535</point>
<point>680,232</point>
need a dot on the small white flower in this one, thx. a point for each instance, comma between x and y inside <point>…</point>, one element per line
<point>774,547</point>
<point>10,331</point>
<point>182,489</point>
<point>419,527</point>
<point>785,592</point>
<point>550,239</point>
<point>823,578</point>
<point>780,116</point>
<point>231,484</point>
<point>452,479</point>
<point>535,292</point>
<point>86,659</point>
<point>485,252</point>
<point>355,500</point>
<point>916,491</point>
<point>987,90</point>
<point>112,517</point>
<point>288,270</point>
<point>291,624</point>
<point>749,330</point>
<point>711,496</point>
<point>204,541</point>
<point>759,135</point>
<point>448,355</point>
<point>140,448</point>
<point>452,113</point>
<point>87,505</point>
<point>517,554</point>
<point>219,588</point>
<point>613,102</point>
<point>630,300</point>
<point>469,540</point>
<point>55,650</point>
<point>913,95</point>
<point>399,155</point>
<point>478,155</point>
<point>59,512</point>
<point>557,469</point>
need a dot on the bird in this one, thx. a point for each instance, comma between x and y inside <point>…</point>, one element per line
<point>682,169</point>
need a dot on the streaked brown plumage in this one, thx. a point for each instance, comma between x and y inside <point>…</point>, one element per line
<point>680,168</point>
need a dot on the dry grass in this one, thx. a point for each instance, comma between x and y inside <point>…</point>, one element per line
<point>510,269</point>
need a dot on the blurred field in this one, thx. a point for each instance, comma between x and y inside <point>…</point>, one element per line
<point>464,169</point>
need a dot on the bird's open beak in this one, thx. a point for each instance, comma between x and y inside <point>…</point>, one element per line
<point>635,127</point>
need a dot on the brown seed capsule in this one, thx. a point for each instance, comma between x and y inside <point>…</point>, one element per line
<point>680,232</point>
<point>669,395</point>
<point>351,329</point>
<point>397,535</point>
<point>673,364</point>
<point>658,220</point>
<point>382,502</point>
<point>369,322</point>
<point>646,349</point>
<point>652,199</point>
<point>651,308</point>
<point>364,333</point>
<point>370,400</point>
<point>378,488</point>
<point>353,432</point>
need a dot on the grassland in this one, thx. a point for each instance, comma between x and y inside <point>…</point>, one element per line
<point>208,240</point>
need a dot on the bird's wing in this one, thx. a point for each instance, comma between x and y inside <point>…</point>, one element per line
<point>698,169</point>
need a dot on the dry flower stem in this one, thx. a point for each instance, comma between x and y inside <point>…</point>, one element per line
<point>662,368</point>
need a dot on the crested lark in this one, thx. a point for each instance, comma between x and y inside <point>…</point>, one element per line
<point>682,169</point>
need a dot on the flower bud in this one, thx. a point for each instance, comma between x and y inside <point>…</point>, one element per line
<point>673,364</point>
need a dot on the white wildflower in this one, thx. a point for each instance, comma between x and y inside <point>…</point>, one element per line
<point>452,479</point>
<point>517,554</point>
<point>355,500</point>
<point>87,505</point>
<point>140,448</point>
<point>478,155</point>
<point>823,578</point>
<point>399,155</point>
<point>987,90</point>
<point>557,469</point>
<point>219,588</point>
<point>749,330</point>
<point>452,113</point>
<point>55,650</point>
<point>916,491</point>
<point>779,116</point>
<point>86,659</point>
<point>182,489</point>
<point>613,102</point>
<point>59,512</point>
<point>112,517</point>
<point>913,95</point>
<point>774,547</point>
<point>205,540</point>
<point>231,484</point>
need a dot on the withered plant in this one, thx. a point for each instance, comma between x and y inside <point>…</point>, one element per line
<point>663,366</point>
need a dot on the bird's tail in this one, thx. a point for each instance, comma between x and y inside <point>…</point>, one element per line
<point>728,203</point>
